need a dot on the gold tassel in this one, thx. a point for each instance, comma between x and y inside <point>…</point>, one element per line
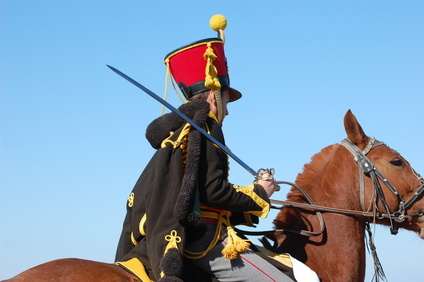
<point>211,80</point>
<point>234,245</point>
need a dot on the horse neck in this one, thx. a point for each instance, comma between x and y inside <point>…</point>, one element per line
<point>331,180</point>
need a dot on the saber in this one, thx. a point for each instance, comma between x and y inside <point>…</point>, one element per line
<point>187,119</point>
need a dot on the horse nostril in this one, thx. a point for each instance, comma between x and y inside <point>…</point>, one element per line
<point>421,216</point>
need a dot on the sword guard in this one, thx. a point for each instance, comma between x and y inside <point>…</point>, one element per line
<point>260,175</point>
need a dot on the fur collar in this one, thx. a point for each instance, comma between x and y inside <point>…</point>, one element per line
<point>160,128</point>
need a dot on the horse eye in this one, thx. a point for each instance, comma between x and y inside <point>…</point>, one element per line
<point>397,162</point>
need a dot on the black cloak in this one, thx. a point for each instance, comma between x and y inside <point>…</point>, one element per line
<point>163,211</point>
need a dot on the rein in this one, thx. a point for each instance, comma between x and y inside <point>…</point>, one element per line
<point>296,231</point>
<point>366,167</point>
<point>337,210</point>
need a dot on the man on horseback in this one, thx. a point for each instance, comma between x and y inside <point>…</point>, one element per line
<point>182,209</point>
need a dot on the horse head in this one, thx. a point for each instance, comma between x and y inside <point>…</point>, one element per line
<point>348,185</point>
<point>392,188</point>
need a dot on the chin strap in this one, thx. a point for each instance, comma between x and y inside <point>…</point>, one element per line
<point>220,114</point>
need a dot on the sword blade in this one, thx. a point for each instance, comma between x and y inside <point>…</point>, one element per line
<point>187,119</point>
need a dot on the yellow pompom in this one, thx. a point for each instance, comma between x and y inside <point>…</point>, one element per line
<point>218,22</point>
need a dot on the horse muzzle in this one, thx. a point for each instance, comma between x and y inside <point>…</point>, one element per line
<point>421,222</point>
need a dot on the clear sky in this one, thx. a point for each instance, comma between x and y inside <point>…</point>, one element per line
<point>72,139</point>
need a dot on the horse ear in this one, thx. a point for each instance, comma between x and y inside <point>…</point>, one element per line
<point>354,130</point>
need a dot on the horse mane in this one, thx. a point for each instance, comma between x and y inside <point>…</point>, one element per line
<point>312,172</point>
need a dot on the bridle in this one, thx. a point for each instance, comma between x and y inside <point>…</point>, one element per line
<point>367,168</point>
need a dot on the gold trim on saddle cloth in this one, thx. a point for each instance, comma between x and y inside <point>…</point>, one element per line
<point>281,258</point>
<point>135,267</point>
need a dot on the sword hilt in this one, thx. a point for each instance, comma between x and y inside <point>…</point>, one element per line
<point>260,175</point>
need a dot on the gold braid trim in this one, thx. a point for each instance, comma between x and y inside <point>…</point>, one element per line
<point>173,239</point>
<point>191,46</point>
<point>131,200</point>
<point>182,138</point>
<point>140,229</point>
<point>217,236</point>
<point>133,240</point>
<point>248,190</point>
<point>235,244</point>
<point>141,225</point>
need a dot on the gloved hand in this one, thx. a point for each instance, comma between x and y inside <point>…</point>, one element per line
<point>265,178</point>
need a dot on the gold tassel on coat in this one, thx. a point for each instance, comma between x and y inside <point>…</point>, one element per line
<point>235,245</point>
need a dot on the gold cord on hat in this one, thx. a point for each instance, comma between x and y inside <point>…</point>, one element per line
<point>167,79</point>
<point>211,79</point>
<point>165,93</point>
<point>218,23</point>
<point>218,100</point>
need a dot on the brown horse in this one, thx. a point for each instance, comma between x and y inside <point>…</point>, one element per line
<point>380,187</point>
<point>336,250</point>
<point>67,270</point>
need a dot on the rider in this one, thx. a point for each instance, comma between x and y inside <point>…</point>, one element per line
<point>183,208</point>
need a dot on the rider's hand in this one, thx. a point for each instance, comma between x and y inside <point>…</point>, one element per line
<point>269,184</point>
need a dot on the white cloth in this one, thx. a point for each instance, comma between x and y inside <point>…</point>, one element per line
<point>303,273</point>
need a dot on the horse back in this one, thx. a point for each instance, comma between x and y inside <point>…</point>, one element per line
<point>72,269</point>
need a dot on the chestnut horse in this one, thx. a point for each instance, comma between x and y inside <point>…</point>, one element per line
<point>357,182</point>
<point>347,193</point>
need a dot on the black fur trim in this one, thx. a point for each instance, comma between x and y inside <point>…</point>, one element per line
<point>186,198</point>
<point>160,128</point>
<point>172,264</point>
<point>196,228</point>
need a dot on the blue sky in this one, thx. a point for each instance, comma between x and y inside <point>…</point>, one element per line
<point>72,132</point>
